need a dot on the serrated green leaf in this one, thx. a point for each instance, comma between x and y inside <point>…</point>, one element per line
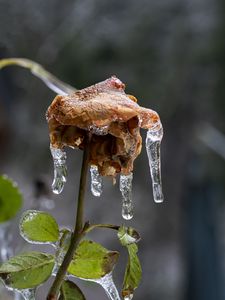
<point>39,227</point>
<point>27,270</point>
<point>10,199</point>
<point>128,235</point>
<point>133,272</point>
<point>70,291</point>
<point>92,261</point>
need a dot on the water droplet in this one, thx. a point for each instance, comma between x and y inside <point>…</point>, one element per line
<point>96,181</point>
<point>60,170</point>
<point>109,286</point>
<point>126,190</point>
<point>153,141</point>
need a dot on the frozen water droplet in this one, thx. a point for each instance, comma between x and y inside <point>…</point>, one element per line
<point>109,286</point>
<point>96,181</point>
<point>126,190</point>
<point>153,141</point>
<point>60,170</point>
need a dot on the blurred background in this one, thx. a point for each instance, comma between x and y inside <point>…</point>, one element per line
<point>171,55</point>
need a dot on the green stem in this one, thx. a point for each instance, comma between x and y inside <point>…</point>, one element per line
<point>79,230</point>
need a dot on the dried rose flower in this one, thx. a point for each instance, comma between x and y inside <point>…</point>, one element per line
<point>114,120</point>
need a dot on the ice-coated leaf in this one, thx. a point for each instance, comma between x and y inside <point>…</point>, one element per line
<point>128,235</point>
<point>92,261</point>
<point>70,291</point>
<point>38,227</point>
<point>10,199</point>
<point>133,272</point>
<point>27,270</point>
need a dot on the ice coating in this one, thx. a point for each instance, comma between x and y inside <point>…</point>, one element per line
<point>126,190</point>
<point>153,141</point>
<point>61,249</point>
<point>99,130</point>
<point>28,294</point>
<point>96,181</point>
<point>128,297</point>
<point>60,170</point>
<point>6,249</point>
<point>109,286</point>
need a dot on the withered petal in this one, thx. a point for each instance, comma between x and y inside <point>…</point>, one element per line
<point>114,119</point>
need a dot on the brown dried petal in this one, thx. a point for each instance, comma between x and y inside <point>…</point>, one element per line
<point>114,119</point>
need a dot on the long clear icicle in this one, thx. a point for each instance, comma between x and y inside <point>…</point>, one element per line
<point>153,141</point>
<point>60,170</point>
<point>96,181</point>
<point>109,286</point>
<point>126,190</point>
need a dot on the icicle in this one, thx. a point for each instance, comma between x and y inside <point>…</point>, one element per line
<point>60,170</point>
<point>153,141</point>
<point>126,190</point>
<point>96,181</point>
<point>109,286</point>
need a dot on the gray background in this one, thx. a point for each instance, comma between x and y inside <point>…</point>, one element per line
<point>171,55</point>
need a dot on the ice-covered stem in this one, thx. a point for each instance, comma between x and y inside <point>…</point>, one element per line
<point>56,85</point>
<point>79,229</point>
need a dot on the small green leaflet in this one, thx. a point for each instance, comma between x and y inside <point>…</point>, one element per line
<point>10,199</point>
<point>128,238</point>
<point>133,272</point>
<point>27,270</point>
<point>38,227</point>
<point>128,235</point>
<point>92,261</point>
<point>70,291</point>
